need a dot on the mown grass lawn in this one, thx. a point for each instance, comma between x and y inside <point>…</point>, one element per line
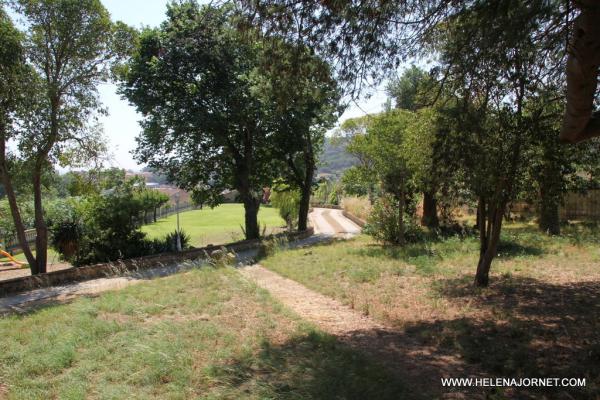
<point>205,334</point>
<point>540,317</point>
<point>219,225</point>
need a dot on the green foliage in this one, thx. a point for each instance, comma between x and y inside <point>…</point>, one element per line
<point>385,225</point>
<point>231,111</point>
<point>287,201</point>
<point>328,192</point>
<point>7,226</point>
<point>169,243</point>
<point>12,69</point>
<point>357,181</point>
<point>106,227</point>
<point>552,168</point>
<point>56,127</point>
<point>411,90</point>
<point>211,121</point>
<point>93,181</point>
<point>71,46</point>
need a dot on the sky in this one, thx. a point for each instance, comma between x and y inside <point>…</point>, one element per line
<point>121,124</point>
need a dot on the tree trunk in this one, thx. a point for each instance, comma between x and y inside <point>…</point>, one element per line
<point>580,123</point>
<point>304,207</point>
<point>549,220</point>
<point>430,217</point>
<point>251,207</point>
<point>155,210</point>
<point>401,205</point>
<point>14,209</point>
<point>306,188</point>
<point>41,241</point>
<point>490,227</point>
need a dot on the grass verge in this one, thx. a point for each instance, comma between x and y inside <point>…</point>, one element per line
<point>206,334</point>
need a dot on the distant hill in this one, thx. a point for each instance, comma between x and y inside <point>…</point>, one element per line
<point>335,160</point>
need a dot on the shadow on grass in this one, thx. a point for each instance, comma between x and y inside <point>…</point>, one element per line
<point>509,248</point>
<point>526,328</point>
<point>427,254</point>
<point>309,366</point>
<point>422,255</point>
<point>520,328</point>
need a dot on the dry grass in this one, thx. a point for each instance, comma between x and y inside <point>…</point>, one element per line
<point>539,317</point>
<point>357,206</point>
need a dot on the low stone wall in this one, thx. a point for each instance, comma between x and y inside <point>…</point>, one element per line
<point>331,206</point>
<point>27,283</point>
<point>354,219</point>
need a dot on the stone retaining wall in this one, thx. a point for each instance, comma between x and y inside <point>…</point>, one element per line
<point>26,283</point>
<point>331,206</point>
<point>354,219</point>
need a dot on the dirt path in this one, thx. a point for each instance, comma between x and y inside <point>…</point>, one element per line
<point>419,366</point>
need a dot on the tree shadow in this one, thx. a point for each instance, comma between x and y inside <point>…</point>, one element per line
<point>310,366</point>
<point>520,328</point>
<point>508,248</point>
<point>523,328</point>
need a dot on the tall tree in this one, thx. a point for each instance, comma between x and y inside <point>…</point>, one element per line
<point>409,91</point>
<point>70,47</point>
<point>13,85</point>
<point>414,90</point>
<point>380,142</point>
<point>493,83</point>
<point>197,84</point>
<point>582,117</point>
<point>306,102</point>
<point>553,169</point>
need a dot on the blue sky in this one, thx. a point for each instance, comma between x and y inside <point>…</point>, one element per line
<point>121,125</point>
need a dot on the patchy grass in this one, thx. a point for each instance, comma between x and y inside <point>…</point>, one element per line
<point>206,333</point>
<point>540,317</point>
<point>218,225</point>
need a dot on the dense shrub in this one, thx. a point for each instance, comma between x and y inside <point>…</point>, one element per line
<point>383,223</point>
<point>106,227</point>
<point>168,244</point>
<point>287,200</point>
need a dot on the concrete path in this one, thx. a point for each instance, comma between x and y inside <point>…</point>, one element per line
<point>331,222</point>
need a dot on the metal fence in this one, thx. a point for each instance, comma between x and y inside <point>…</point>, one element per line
<point>13,246</point>
<point>581,206</point>
<point>576,206</point>
<point>166,211</point>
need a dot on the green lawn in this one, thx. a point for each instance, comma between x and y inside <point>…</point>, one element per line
<point>539,317</point>
<point>53,257</point>
<point>203,334</point>
<point>219,225</point>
